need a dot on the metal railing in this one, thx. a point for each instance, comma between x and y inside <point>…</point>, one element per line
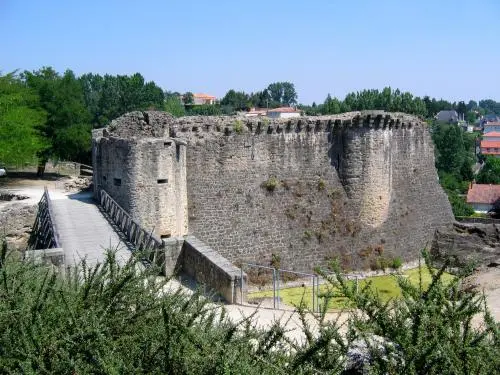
<point>44,234</point>
<point>141,239</point>
<point>266,279</point>
<point>279,282</point>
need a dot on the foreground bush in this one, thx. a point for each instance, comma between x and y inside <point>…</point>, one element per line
<point>118,320</point>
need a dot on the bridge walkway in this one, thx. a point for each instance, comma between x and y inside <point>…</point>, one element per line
<point>83,231</point>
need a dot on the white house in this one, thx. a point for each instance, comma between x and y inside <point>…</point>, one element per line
<point>201,99</point>
<point>283,112</point>
<point>483,197</point>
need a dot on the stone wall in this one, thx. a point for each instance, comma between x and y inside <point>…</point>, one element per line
<point>147,177</point>
<point>355,186</point>
<point>209,268</point>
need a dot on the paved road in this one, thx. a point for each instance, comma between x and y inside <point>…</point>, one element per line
<point>83,231</point>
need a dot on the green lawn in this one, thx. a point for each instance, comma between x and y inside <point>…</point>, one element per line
<point>386,286</point>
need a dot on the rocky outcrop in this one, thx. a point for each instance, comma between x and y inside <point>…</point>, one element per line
<point>16,219</point>
<point>468,242</point>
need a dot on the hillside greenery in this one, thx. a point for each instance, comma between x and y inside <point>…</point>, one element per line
<point>115,319</point>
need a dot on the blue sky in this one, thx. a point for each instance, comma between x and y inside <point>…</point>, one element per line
<point>441,48</point>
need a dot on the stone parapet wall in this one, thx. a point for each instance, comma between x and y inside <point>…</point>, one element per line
<point>208,267</point>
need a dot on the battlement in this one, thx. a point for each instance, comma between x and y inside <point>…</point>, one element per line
<point>236,125</point>
<point>162,124</point>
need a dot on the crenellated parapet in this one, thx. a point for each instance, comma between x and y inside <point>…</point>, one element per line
<point>162,124</point>
<point>230,125</point>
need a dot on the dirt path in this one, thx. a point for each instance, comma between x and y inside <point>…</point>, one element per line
<point>488,280</point>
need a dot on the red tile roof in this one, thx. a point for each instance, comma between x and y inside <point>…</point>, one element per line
<point>491,134</point>
<point>490,144</point>
<point>204,96</point>
<point>283,109</point>
<point>483,193</point>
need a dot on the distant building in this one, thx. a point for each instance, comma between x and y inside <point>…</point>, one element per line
<point>491,126</point>
<point>490,145</point>
<point>256,112</point>
<point>283,112</point>
<point>483,197</point>
<point>449,117</point>
<point>201,99</point>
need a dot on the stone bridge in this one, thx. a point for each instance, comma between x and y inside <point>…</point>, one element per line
<point>68,231</point>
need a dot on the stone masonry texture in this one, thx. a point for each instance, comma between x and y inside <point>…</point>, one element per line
<point>356,186</point>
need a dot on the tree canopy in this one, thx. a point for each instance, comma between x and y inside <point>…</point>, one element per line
<point>490,172</point>
<point>67,128</point>
<point>21,116</point>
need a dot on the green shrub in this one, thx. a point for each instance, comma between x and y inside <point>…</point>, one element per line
<point>238,126</point>
<point>114,319</point>
<point>321,184</point>
<point>271,184</point>
<point>396,263</point>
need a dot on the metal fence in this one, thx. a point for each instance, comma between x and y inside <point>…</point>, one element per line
<point>266,282</point>
<point>269,282</point>
<point>141,239</point>
<point>44,234</point>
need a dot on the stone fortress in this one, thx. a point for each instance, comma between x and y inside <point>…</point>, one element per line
<point>357,187</point>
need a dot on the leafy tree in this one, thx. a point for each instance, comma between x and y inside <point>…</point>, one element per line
<point>451,151</point>
<point>261,99</point>
<point>472,105</point>
<point>188,98</point>
<point>282,94</point>
<point>331,106</point>
<point>471,117</point>
<point>174,106</point>
<point>68,121</point>
<point>93,87</point>
<point>490,106</point>
<point>490,172</point>
<point>461,108</point>
<point>109,97</point>
<point>204,110</point>
<point>237,100</point>
<point>20,118</point>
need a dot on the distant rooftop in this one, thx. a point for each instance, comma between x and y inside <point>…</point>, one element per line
<point>283,110</point>
<point>204,96</point>
<point>483,193</point>
<point>491,134</point>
